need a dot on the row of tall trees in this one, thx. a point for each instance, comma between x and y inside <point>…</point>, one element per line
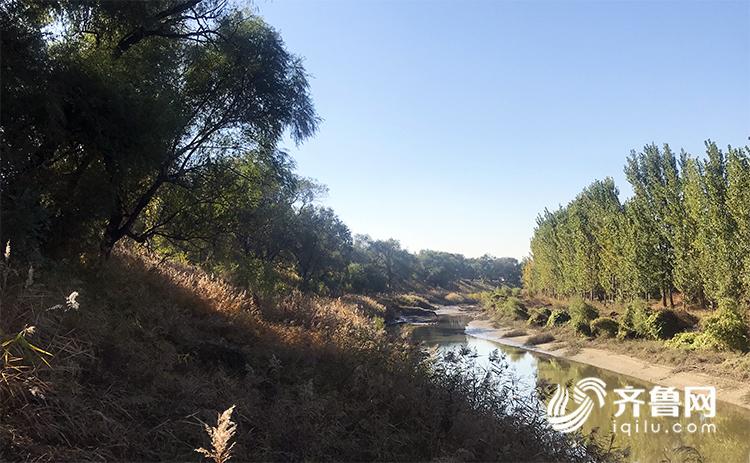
<point>686,229</point>
<point>159,122</point>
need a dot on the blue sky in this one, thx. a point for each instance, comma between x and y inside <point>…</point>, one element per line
<point>451,125</point>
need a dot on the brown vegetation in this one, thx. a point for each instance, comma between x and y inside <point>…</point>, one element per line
<point>540,338</point>
<point>151,350</point>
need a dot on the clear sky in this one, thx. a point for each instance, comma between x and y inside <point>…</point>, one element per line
<point>451,125</point>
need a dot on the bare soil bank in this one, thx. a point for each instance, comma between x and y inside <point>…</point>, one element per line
<point>728,390</point>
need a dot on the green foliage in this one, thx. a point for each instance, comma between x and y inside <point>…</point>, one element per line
<point>129,135</point>
<point>604,326</point>
<point>503,292</point>
<point>689,340</point>
<point>383,265</point>
<point>581,310</point>
<point>686,229</point>
<point>512,308</point>
<point>539,316</point>
<point>558,317</point>
<point>581,315</point>
<point>639,321</point>
<point>724,330</point>
<point>634,321</point>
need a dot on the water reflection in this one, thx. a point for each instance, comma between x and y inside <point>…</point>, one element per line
<point>729,443</point>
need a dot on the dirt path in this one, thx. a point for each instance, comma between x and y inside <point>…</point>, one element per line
<point>727,390</point>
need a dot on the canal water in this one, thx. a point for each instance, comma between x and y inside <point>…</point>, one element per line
<point>659,439</point>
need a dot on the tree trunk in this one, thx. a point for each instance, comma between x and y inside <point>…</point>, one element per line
<point>112,234</point>
<point>671,299</point>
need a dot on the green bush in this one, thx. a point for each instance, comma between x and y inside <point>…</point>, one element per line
<point>581,310</point>
<point>504,291</point>
<point>558,317</point>
<point>512,309</point>
<point>689,340</point>
<point>604,326</point>
<point>634,321</point>
<point>724,330</point>
<point>539,316</point>
<point>639,321</point>
<point>494,298</point>
<point>515,292</point>
<point>581,315</point>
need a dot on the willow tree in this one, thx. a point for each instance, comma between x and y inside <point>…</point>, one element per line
<point>142,97</point>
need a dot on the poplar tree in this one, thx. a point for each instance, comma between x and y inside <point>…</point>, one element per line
<point>738,206</point>
<point>645,173</point>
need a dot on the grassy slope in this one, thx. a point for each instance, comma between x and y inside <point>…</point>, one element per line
<point>155,348</point>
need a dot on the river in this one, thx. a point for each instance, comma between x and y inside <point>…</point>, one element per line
<point>729,442</point>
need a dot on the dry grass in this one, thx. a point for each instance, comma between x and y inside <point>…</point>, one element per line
<point>540,338</point>
<point>414,300</point>
<point>221,437</point>
<point>153,347</point>
<point>514,333</point>
<point>455,298</point>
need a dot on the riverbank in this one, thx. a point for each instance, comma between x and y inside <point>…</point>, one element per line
<point>728,390</point>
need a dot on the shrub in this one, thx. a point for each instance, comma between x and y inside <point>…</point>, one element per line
<point>685,341</point>
<point>541,338</point>
<point>515,292</point>
<point>581,315</point>
<point>500,294</point>
<point>539,316</point>
<point>639,321</point>
<point>686,320</point>
<point>724,330</point>
<point>581,326</point>
<point>604,326</point>
<point>580,310</point>
<point>455,298</point>
<point>513,309</point>
<point>663,324</point>
<point>558,317</point>
<point>634,320</point>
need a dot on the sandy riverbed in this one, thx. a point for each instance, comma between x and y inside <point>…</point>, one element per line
<point>727,390</point>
